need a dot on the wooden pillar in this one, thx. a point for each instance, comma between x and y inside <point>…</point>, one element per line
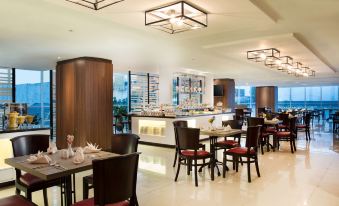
<point>84,101</point>
<point>267,97</point>
<point>228,98</point>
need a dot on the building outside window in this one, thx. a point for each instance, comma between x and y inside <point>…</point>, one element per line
<point>33,88</point>
<point>120,93</point>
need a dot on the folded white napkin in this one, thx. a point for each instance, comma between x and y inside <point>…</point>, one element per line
<point>275,119</point>
<point>39,158</point>
<point>91,148</point>
<point>52,148</point>
<point>79,156</point>
<point>265,119</point>
<point>228,128</point>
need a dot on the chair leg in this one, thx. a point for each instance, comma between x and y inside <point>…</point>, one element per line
<point>291,144</point>
<point>295,148</point>
<point>45,197</point>
<point>17,191</point>
<point>262,148</point>
<point>29,196</point>
<point>196,172</point>
<point>74,193</point>
<point>224,165</point>
<point>85,189</point>
<point>236,163</point>
<point>175,157</point>
<point>189,162</point>
<point>178,169</point>
<point>257,166</point>
<point>248,169</point>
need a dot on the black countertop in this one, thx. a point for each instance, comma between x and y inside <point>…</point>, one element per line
<point>185,116</point>
<point>24,129</point>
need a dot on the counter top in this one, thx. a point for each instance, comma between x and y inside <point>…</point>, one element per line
<point>24,129</point>
<point>185,116</point>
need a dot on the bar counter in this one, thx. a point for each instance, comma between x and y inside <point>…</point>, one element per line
<point>159,131</point>
<point>7,173</point>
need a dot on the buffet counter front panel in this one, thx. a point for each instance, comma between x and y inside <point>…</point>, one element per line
<point>160,131</point>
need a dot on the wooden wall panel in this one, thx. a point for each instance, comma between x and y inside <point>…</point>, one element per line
<point>93,102</point>
<point>228,99</point>
<point>267,97</point>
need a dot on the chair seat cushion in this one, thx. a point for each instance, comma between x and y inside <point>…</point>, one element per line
<point>301,126</point>
<point>283,134</point>
<point>271,130</point>
<point>15,200</point>
<point>190,153</point>
<point>240,150</point>
<point>90,202</point>
<point>29,180</point>
<point>228,143</point>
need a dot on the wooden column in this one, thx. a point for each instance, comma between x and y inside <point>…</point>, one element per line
<point>228,99</point>
<point>267,97</point>
<point>84,101</point>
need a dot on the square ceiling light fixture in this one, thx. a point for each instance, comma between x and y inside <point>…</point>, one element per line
<point>95,4</point>
<point>269,56</point>
<point>176,17</point>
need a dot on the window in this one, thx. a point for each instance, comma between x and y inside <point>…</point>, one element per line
<point>321,97</point>
<point>5,90</point>
<point>33,88</point>
<point>120,93</point>
<point>245,97</point>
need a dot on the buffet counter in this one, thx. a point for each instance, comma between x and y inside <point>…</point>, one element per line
<point>7,173</point>
<point>157,130</point>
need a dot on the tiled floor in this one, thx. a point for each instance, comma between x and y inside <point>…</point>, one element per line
<point>308,177</point>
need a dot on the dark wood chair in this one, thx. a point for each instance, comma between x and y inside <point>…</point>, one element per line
<point>305,126</point>
<point>285,121</point>
<point>189,153</point>
<point>27,183</point>
<point>181,123</point>
<point>249,152</point>
<point>335,122</point>
<point>16,200</point>
<point>115,181</point>
<point>239,114</point>
<point>288,135</point>
<point>121,144</point>
<point>264,136</point>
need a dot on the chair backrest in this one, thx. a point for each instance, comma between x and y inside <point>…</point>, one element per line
<point>293,124</point>
<point>29,144</point>
<point>239,112</point>
<point>252,137</point>
<point>284,118</point>
<point>261,110</point>
<point>115,179</point>
<point>176,124</point>
<point>124,143</point>
<point>188,138</point>
<point>255,121</point>
<point>235,124</point>
<point>307,119</point>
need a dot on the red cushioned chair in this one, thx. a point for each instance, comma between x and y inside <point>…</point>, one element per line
<point>249,152</point>
<point>189,153</point>
<point>288,135</point>
<point>285,121</point>
<point>26,145</point>
<point>121,144</point>
<point>181,123</point>
<point>115,181</point>
<point>264,135</point>
<point>16,200</point>
<point>305,126</point>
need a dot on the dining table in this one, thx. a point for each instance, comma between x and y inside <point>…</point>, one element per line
<point>213,135</point>
<point>58,168</point>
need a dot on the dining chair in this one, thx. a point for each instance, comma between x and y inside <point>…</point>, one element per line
<point>16,200</point>
<point>288,135</point>
<point>27,183</point>
<point>121,144</point>
<point>115,181</point>
<point>189,153</point>
<point>285,121</point>
<point>249,152</point>
<point>239,114</point>
<point>335,122</point>
<point>181,123</point>
<point>264,136</point>
<point>305,126</point>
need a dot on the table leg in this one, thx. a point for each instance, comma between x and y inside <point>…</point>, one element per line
<point>213,140</point>
<point>68,190</point>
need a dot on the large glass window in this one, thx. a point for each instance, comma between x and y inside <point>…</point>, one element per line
<point>245,97</point>
<point>321,97</point>
<point>33,88</point>
<point>120,93</point>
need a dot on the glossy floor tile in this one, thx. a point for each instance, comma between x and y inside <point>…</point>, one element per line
<point>308,177</point>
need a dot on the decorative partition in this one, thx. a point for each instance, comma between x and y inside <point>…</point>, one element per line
<point>188,87</point>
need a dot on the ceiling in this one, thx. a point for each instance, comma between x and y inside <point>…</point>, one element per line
<point>34,33</point>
